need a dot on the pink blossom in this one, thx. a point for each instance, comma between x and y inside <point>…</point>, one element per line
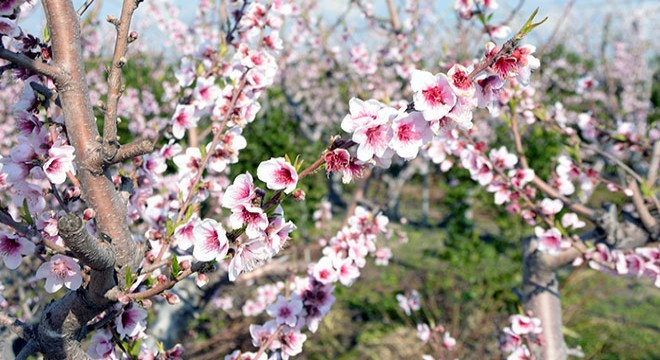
<point>423,332</point>
<point>523,325</point>
<point>248,256</point>
<point>448,342</point>
<point>60,160</point>
<point>252,217</point>
<point>571,220</point>
<point>261,334</point>
<point>101,346</point>
<point>292,342</point>
<point>409,304</point>
<point>206,92</point>
<point>131,322</point>
<point>210,241</point>
<point>60,271</point>
<point>551,206</point>
<point>501,192</point>
<point>184,234</point>
<point>488,87</point>
<point>434,96</point>
<point>189,162</point>
<point>566,168</point>
<point>374,136</point>
<point>460,82</point>
<point>550,241</point>
<point>347,271</point>
<point>520,353</point>
<point>8,28</point>
<point>241,192</point>
<point>354,170</point>
<point>286,312</point>
<point>324,272</point>
<point>245,355</point>
<point>525,62</point>
<point>278,175</point>
<point>253,308</point>
<point>277,232</point>
<point>521,177</point>
<point>383,256</point>
<point>461,113</point>
<point>183,118</point>
<point>411,131</point>
<point>501,158</point>
<point>337,160</point>
<point>7,7</point>
<point>12,249</point>
<point>360,114</point>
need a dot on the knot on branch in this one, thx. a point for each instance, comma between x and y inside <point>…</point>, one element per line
<point>625,234</point>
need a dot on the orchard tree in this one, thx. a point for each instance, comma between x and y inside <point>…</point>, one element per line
<point>119,224</point>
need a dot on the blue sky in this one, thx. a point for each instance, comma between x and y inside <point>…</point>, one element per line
<point>585,18</point>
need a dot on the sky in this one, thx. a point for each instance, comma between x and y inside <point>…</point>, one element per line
<point>585,17</point>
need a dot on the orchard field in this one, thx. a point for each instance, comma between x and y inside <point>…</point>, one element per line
<point>275,179</point>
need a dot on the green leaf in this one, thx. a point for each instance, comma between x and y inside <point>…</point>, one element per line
<point>135,349</point>
<point>189,214</point>
<point>175,266</point>
<point>46,34</point>
<point>529,25</point>
<point>570,333</point>
<point>619,137</point>
<point>169,228</point>
<point>25,213</point>
<point>129,278</point>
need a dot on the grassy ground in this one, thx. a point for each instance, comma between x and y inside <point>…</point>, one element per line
<point>468,288</point>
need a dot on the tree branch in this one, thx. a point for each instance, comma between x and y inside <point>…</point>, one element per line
<point>91,252</point>
<point>554,193</point>
<point>84,7</point>
<point>16,326</point>
<point>30,348</point>
<point>650,223</point>
<point>30,64</point>
<point>46,92</point>
<point>110,145</point>
<point>654,166</point>
<point>615,160</point>
<point>394,16</point>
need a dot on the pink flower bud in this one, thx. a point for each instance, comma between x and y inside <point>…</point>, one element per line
<point>173,299</point>
<point>89,214</point>
<point>201,280</point>
<point>299,195</point>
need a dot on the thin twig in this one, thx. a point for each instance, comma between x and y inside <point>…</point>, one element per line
<point>110,145</point>
<point>84,7</point>
<point>615,160</point>
<point>56,193</point>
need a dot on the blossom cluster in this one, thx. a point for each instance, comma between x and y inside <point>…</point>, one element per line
<point>522,332</point>
<point>428,334</point>
<point>441,103</point>
<point>310,298</point>
<point>639,262</point>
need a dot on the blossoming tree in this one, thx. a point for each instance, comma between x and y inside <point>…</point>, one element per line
<point>120,223</point>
